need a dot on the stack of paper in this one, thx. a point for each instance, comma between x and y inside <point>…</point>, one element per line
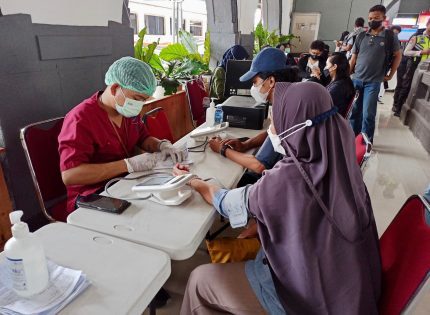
<point>64,285</point>
<point>169,164</point>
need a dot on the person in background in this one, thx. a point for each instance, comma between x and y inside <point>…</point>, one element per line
<point>416,51</point>
<point>340,87</point>
<point>267,69</point>
<point>349,41</point>
<point>286,48</point>
<point>236,52</point>
<point>339,43</point>
<point>396,29</point>
<point>319,243</point>
<point>376,56</point>
<point>99,136</point>
<point>311,65</point>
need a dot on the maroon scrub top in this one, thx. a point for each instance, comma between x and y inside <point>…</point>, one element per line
<point>88,136</point>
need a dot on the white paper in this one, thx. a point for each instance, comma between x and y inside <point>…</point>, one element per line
<point>64,285</point>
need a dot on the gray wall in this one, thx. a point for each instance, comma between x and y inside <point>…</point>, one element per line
<point>45,70</point>
<point>336,15</point>
<point>414,6</point>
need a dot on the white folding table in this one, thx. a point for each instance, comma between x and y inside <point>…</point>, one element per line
<point>176,230</point>
<point>124,276</point>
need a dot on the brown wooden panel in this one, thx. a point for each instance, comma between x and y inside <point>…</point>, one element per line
<point>5,209</point>
<point>177,110</point>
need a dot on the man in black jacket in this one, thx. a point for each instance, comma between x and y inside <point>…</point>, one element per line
<point>311,66</point>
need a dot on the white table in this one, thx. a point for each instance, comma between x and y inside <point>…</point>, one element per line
<point>124,276</point>
<point>176,230</point>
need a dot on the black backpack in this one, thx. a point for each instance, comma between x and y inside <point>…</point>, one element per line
<point>389,47</point>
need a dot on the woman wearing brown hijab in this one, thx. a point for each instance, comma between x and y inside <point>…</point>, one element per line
<point>320,252</point>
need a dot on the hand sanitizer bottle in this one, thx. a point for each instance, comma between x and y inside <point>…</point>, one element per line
<point>26,259</point>
<point>210,114</point>
<point>219,115</point>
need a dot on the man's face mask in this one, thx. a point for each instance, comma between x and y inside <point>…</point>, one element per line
<point>257,95</point>
<point>375,24</point>
<point>131,108</point>
<point>287,50</point>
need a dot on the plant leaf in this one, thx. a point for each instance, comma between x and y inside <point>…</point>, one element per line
<point>174,52</point>
<point>156,64</point>
<point>207,46</point>
<point>150,51</point>
<point>188,41</point>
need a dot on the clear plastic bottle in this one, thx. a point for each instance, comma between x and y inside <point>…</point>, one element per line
<point>219,115</point>
<point>210,114</point>
<point>26,259</point>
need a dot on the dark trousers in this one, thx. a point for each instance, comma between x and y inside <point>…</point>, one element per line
<point>405,74</point>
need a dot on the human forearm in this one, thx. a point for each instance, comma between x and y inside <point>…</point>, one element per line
<point>151,145</point>
<point>255,142</point>
<point>246,160</point>
<point>352,62</point>
<point>87,174</point>
<point>396,62</point>
<point>205,189</point>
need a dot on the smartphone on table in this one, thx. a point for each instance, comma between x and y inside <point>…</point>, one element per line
<point>102,203</point>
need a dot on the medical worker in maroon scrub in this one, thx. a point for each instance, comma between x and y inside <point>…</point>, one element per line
<point>101,137</point>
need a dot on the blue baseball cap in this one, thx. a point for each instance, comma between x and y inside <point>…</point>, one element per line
<point>268,60</point>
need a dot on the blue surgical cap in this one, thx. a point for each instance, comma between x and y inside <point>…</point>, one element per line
<point>132,74</point>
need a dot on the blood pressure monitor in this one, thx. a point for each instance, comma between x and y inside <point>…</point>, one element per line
<point>165,189</point>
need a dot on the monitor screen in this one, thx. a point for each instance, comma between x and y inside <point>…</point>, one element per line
<point>406,33</point>
<point>156,181</point>
<point>233,86</point>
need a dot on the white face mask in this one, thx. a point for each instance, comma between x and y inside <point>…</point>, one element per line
<point>257,95</point>
<point>131,108</point>
<point>277,140</point>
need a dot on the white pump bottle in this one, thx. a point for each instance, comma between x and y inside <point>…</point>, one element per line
<point>210,114</point>
<point>26,259</point>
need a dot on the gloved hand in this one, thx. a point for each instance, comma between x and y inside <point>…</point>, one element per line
<point>141,162</point>
<point>167,149</point>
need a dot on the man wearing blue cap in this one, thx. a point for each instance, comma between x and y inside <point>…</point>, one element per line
<point>267,68</point>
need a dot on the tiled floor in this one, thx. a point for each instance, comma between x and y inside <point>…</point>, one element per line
<point>398,168</point>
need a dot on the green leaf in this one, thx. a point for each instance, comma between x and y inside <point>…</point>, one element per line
<point>188,41</point>
<point>142,32</point>
<point>207,45</point>
<point>150,51</point>
<point>174,52</point>
<point>138,49</point>
<point>156,64</point>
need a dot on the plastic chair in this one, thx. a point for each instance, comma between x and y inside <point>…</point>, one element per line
<point>196,92</point>
<point>40,143</point>
<point>363,149</point>
<point>405,254</point>
<point>157,124</point>
<point>351,105</point>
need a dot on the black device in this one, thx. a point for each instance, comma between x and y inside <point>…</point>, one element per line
<point>244,112</point>
<point>234,70</point>
<point>102,203</point>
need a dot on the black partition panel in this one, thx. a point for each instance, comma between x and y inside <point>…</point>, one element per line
<point>45,70</point>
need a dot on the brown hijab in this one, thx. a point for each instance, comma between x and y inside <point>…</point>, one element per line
<point>314,215</point>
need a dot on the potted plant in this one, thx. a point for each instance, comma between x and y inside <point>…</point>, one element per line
<point>264,37</point>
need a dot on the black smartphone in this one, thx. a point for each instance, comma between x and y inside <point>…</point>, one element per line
<point>102,203</point>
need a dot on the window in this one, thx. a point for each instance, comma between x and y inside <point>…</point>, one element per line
<point>196,28</point>
<point>133,23</point>
<point>154,25</point>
